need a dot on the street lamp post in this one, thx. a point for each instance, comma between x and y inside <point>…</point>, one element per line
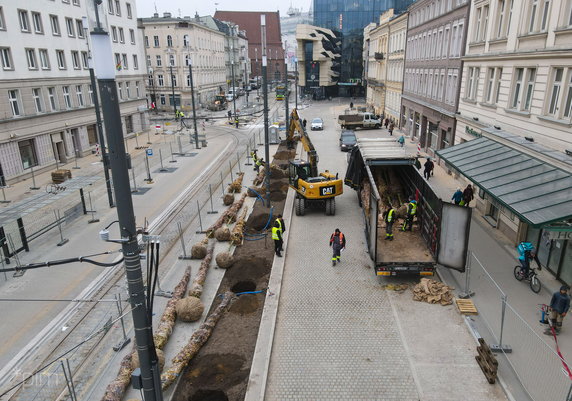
<point>154,96</point>
<point>105,68</point>
<point>193,101</point>
<point>257,73</point>
<point>233,85</point>
<point>265,95</point>
<point>296,80</point>
<point>99,123</point>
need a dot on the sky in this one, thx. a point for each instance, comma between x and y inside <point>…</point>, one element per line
<point>146,8</point>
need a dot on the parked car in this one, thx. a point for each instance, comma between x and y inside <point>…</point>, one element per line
<point>229,97</point>
<point>317,124</point>
<point>347,140</point>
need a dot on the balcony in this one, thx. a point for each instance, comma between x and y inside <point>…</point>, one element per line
<point>378,56</point>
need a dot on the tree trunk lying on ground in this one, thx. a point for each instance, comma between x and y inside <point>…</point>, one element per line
<point>116,389</point>
<point>229,216</point>
<point>197,286</point>
<point>197,340</point>
<point>236,186</point>
<point>259,179</point>
<point>237,234</point>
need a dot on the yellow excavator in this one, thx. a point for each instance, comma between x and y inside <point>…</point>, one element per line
<point>312,189</point>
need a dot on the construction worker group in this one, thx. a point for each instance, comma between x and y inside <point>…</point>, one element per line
<point>390,216</point>
<point>257,161</point>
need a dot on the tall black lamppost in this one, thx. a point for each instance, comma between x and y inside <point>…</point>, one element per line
<point>257,72</point>
<point>153,94</point>
<point>296,80</point>
<point>233,84</point>
<point>172,83</point>
<point>193,98</point>
<point>99,123</point>
<point>142,316</point>
<point>265,95</point>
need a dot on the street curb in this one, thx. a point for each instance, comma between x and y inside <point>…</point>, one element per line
<point>474,334</point>
<point>258,377</point>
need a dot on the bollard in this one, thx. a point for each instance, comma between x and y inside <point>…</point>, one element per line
<point>137,142</point>
<point>149,180</point>
<point>134,189</point>
<point>172,154</point>
<point>161,159</point>
<point>33,187</point>
<point>63,240</point>
<point>212,211</point>
<point>125,340</point>
<point>238,162</point>
<point>467,293</point>
<point>200,220</point>
<point>184,256</point>
<point>231,175</point>
<point>93,219</point>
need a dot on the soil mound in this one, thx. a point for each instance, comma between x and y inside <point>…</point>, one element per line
<point>277,196</point>
<point>251,267</point>
<point>279,186</point>
<point>209,395</point>
<point>257,221</point>
<point>245,304</point>
<point>243,286</point>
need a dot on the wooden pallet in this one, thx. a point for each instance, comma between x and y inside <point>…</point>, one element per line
<point>466,307</point>
<point>487,361</point>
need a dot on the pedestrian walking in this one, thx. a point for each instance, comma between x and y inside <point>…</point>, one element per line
<point>467,195</point>
<point>304,123</point>
<point>229,114</point>
<point>386,123</point>
<point>391,127</point>
<point>277,237</point>
<point>411,213</point>
<point>337,242</point>
<point>401,140</point>
<point>429,166</point>
<point>559,306</point>
<point>351,105</point>
<point>457,196</point>
<point>389,217</point>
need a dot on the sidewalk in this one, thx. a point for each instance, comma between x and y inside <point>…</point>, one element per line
<point>338,335</point>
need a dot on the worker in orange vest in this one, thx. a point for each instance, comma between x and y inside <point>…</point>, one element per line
<point>337,242</point>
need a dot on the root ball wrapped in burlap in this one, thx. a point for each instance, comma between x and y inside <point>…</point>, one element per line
<point>224,260</point>
<point>190,309</point>
<point>199,250</point>
<point>236,185</point>
<point>222,234</point>
<point>135,359</point>
<point>228,199</point>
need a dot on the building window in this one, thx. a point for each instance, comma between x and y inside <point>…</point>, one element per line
<point>132,36</point>
<point>118,62</point>
<point>186,42</point>
<point>159,61</point>
<point>129,12</point>
<point>38,101</point>
<point>172,60</point>
<point>135,62</point>
<point>137,90</point>
<point>24,22</point>
<point>75,2</point>
<point>110,6</point>
<point>125,64</point>
<point>529,90</point>
<point>79,95</point>
<point>120,90</point>
<point>75,60</point>
<point>162,99</point>
<point>31,59</point>
<point>557,77</point>
<point>518,76</point>
<point>481,23</point>
<point>539,12</point>
<point>44,59</point>
<point>160,81</point>
<point>148,61</point>
<point>114,34</point>
<point>84,60</point>
<point>473,83</point>
<point>156,41</point>
<point>188,80</point>
<point>52,97</point>
<point>70,27</point>
<point>79,26</point>
<point>2,20</point>
<point>121,36</point>
<point>494,76</point>
<point>569,22</point>
<point>117,8</point>
<point>67,97</point>
<point>55,23</point>
<point>522,97</point>
<point>128,89</point>
<point>14,98</point>
<point>28,153</point>
<point>173,80</point>
<point>60,56</point>
<point>37,21</point>
<point>90,94</point>
<point>169,41</point>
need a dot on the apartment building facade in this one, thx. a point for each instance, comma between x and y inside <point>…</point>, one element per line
<point>172,44</point>
<point>385,56</point>
<point>436,38</point>
<point>517,91</point>
<point>46,108</point>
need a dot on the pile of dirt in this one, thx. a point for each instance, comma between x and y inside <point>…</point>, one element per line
<point>433,292</point>
<point>257,221</point>
<point>284,155</point>
<point>276,196</point>
<point>279,185</point>
<point>245,304</point>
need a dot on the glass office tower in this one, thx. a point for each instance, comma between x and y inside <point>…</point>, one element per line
<point>349,18</point>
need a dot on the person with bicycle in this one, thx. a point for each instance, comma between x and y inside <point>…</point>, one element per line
<point>559,305</point>
<point>526,253</point>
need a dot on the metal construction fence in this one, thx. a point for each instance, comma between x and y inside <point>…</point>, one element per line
<point>195,212</point>
<point>533,360</point>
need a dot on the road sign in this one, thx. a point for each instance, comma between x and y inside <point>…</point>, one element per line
<point>149,152</point>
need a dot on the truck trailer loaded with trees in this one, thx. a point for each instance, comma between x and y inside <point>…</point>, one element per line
<point>384,174</point>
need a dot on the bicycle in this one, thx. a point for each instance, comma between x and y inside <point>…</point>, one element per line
<point>532,278</point>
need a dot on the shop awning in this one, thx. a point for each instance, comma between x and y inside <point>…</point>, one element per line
<point>536,191</point>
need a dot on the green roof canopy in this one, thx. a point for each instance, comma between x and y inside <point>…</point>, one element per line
<point>537,192</point>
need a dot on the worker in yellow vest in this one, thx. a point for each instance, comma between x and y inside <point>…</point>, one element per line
<point>277,237</point>
<point>389,216</point>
